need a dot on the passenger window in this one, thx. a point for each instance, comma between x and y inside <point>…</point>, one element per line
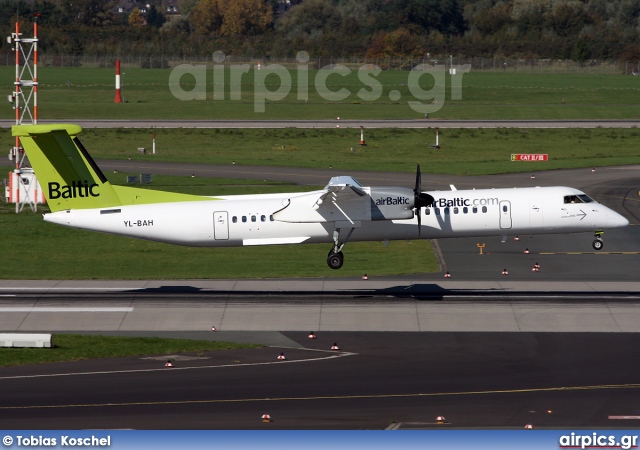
<point>427,211</point>
<point>244,219</point>
<point>253,218</point>
<point>455,210</point>
<point>263,218</point>
<point>484,209</point>
<point>504,208</point>
<point>234,219</point>
<point>465,210</point>
<point>446,211</point>
<point>271,218</point>
<point>475,209</point>
<point>437,211</point>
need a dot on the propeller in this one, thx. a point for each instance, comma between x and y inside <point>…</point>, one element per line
<point>420,199</point>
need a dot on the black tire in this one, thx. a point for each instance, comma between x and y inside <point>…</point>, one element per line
<point>598,244</point>
<point>335,260</point>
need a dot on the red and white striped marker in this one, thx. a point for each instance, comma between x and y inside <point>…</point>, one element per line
<point>266,418</point>
<point>118,98</point>
<point>362,136</point>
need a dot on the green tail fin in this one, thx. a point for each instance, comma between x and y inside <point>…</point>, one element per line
<point>69,176</point>
<point>71,179</point>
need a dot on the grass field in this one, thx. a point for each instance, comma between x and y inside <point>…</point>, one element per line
<point>70,347</point>
<point>68,93</point>
<point>463,151</point>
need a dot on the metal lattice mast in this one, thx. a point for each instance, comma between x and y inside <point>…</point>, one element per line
<point>25,103</point>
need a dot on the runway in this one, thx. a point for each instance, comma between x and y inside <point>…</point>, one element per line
<point>376,381</point>
<point>556,348</point>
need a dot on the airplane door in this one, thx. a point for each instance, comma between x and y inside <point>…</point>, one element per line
<point>220,225</point>
<point>505,214</point>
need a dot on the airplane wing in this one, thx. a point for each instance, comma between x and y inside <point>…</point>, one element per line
<point>347,203</point>
<point>343,199</point>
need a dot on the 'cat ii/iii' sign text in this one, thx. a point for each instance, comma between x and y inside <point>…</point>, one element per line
<point>529,157</point>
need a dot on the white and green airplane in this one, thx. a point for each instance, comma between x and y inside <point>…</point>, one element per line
<point>80,196</point>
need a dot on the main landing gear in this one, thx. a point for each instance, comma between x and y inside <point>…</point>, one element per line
<point>335,259</point>
<point>598,243</point>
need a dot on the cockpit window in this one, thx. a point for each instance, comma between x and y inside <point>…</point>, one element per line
<point>585,198</point>
<point>572,199</point>
<point>580,198</point>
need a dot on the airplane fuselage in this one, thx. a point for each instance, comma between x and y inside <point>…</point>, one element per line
<point>249,220</point>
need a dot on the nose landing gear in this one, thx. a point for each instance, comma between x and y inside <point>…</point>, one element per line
<point>598,243</point>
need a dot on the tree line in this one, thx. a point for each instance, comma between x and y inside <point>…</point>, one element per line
<point>580,30</point>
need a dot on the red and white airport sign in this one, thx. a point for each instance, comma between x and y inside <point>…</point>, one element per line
<point>529,157</point>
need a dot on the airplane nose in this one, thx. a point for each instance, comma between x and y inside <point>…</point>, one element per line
<point>615,220</point>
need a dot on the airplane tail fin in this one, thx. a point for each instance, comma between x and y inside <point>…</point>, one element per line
<point>69,176</point>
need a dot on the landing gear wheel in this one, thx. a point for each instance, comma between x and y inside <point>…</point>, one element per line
<point>598,244</point>
<point>335,260</point>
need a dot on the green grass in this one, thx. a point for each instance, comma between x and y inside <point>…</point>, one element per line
<point>70,347</point>
<point>463,151</point>
<point>68,93</point>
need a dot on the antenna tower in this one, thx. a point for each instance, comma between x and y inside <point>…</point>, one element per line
<point>24,188</point>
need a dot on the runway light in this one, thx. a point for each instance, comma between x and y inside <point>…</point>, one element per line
<point>335,346</point>
<point>266,418</point>
<point>281,357</point>
<point>311,335</point>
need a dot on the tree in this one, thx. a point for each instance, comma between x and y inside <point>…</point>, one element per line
<point>135,18</point>
<point>155,18</point>
<point>250,17</point>
<point>493,20</point>
<point>310,19</point>
<point>206,17</point>
<point>400,43</point>
<point>230,18</point>
<point>98,13</point>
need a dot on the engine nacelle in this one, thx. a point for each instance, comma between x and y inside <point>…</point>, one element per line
<point>391,203</point>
